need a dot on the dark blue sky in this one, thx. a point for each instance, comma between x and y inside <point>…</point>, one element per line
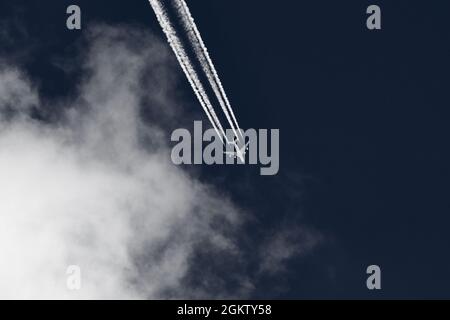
<point>363,117</point>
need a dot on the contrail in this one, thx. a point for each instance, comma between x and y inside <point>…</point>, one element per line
<point>208,66</point>
<point>187,67</point>
<point>190,51</point>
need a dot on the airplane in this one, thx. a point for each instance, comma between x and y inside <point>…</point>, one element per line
<point>240,152</point>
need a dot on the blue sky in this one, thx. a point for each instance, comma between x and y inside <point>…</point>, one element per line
<point>362,115</point>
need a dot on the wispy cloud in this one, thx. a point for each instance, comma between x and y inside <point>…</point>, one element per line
<point>287,243</point>
<point>86,191</point>
<point>15,91</point>
<point>97,189</point>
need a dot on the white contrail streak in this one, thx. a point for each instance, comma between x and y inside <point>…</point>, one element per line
<point>201,54</point>
<point>207,64</point>
<point>187,67</point>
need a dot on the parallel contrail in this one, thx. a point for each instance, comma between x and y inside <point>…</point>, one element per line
<point>191,51</point>
<point>202,52</point>
<point>186,65</point>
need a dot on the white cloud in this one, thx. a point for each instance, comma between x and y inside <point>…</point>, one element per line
<point>96,188</point>
<point>15,91</point>
<point>85,191</point>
